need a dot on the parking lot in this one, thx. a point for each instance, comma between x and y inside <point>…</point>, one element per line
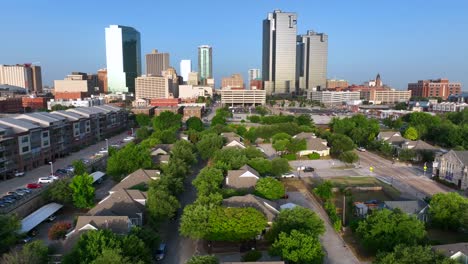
<point>31,177</point>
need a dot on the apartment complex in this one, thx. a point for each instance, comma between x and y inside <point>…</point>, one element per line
<point>442,88</point>
<point>153,87</point>
<point>235,81</point>
<point>156,63</point>
<point>31,140</point>
<point>242,97</point>
<point>385,96</point>
<point>26,76</point>
<point>329,97</point>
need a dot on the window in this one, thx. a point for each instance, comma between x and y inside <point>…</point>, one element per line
<point>25,139</point>
<point>25,149</point>
<point>45,134</point>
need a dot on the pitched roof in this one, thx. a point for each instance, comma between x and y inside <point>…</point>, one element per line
<point>409,207</point>
<point>166,147</point>
<point>419,145</point>
<point>462,156</point>
<point>316,144</point>
<point>391,136</point>
<point>161,158</point>
<point>451,249</point>
<point>304,135</point>
<point>268,208</point>
<point>230,136</point>
<point>137,177</point>
<point>119,203</point>
<point>118,224</point>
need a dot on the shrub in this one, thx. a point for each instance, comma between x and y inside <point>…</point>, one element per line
<point>252,255</point>
<point>314,156</point>
<point>334,218</point>
<point>289,156</point>
<point>58,230</point>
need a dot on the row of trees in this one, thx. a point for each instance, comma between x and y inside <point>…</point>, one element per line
<point>301,120</point>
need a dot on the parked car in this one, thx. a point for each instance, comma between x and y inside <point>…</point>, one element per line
<point>70,168</point>
<point>361,149</point>
<point>308,169</point>
<point>12,196</point>
<point>3,204</point>
<point>27,239</point>
<point>288,175</point>
<point>33,185</point>
<point>49,179</point>
<point>17,193</point>
<point>26,190</point>
<point>7,200</point>
<point>161,252</point>
<point>19,174</point>
<point>51,218</point>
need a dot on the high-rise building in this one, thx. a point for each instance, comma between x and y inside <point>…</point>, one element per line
<point>102,80</point>
<point>36,78</point>
<point>312,54</point>
<point>185,69</point>
<point>279,51</point>
<point>149,87</point>
<point>156,63</point>
<point>434,88</point>
<point>18,75</point>
<point>193,78</point>
<point>123,57</point>
<point>205,63</point>
<point>235,81</point>
<point>254,74</point>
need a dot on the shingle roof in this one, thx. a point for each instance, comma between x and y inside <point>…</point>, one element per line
<point>234,179</point>
<point>137,177</point>
<point>118,224</point>
<point>462,156</point>
<point>316,144</point>
<point>420,145</point>
<point>409,207</point>
<point>304,135</point>
<point>268,208</point>
<point>450,249</point>
<point>392,136</point>
<point>119,203</point>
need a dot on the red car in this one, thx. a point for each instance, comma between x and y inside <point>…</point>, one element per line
<point>33,185</point>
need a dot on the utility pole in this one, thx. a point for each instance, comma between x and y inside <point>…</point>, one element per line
<point>344,210</point>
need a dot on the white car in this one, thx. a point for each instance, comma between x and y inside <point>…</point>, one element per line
<point>128,139</point>
<point>288,175</point>
<point>46,180</point>
<point>361,149</point>
<point>19,174</point>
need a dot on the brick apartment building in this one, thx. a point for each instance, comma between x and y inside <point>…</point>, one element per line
<point>34,139</point>
<point>434,88</point>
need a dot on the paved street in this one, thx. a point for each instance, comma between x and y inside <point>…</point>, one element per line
<point>401,176</point>
<point>44,170</point>
<point>334,246</point>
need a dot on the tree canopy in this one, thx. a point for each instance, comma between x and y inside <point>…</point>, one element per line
<point>203,260</point>
<point>129,159</point>
<point>279,166</point>
<point>194,222</point>
<point>167,120</point>
<point>261,165</point>
<point>447,210</point>
<point>412,255</point>
<point>143,120</point>
<point>82,190</point>
<point>209,144</point>
<point>384,229</point>
<point>269,188</point>
<point>298,248</point>
<point>411,133</point>
<point>324,190</point>
<point>35,252</point>
<point>194,123</point>
<point>79,167</point>
<point>59,191</point>
<point>161,204</point>
<point>349,157</point>
<point>359,128</point>
<point>9,225</point>
<point>208,181</point>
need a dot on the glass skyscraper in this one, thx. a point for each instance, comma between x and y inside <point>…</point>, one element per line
<point>123,58</point>
<point>205,63</point>
<point>312,58</point>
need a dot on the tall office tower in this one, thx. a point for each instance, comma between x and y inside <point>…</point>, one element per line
<point>102,80</point>
<point>17,75</point>
<point>205,63</point>
<point>156,63</point>
<point>254,74</point>
<point>279,51</point>
<point>185,69</point>
<point>312,54</point>
<point>36,78</point>
<point>123,58</point>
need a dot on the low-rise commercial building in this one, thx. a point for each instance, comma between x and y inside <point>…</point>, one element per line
<point>334,84</point>
<point>243,97</point>
<point>329,97</point>
<point>194,91</point>
<point>442,88</point>
<point>235,81</point>
<point>449,107</point>
<point>192,111</point>
<point>77,82</point>
<point>386,96</point>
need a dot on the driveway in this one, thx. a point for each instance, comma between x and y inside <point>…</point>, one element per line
<point>270,152</point>
<point>334,246</point>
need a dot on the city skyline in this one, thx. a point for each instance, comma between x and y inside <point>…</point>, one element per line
<point>391,38</point>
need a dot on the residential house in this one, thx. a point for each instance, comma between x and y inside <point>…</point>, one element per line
<point>314,144</point>
<point>457,251</point>
<point>420,148</point>
<point>417,208</point>
<point>393,138</point>
<point>233,140</point>
<point>162,149</point>
<point>139,177</point>
<point>452,167</point>
<point>268,208</point>
<point>244,178</point>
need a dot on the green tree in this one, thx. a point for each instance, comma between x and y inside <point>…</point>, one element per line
<point>129,159</point>
<point>147,235</point>
<point>280,145</point>
<point>279,166</point>
<point>340,143</point>
<point>261,110</point>
<point>79,167</point>
<point>143,133</point>
<point>281,136</point>
<point>167,120</point>
<point>32,253</point>
<point>184,150</point>
<point>384,229</point>
<point>194,123</point>
<point>235,224</point>
<point>112,255</point>
<point>386,149</point>
<point>209,144</point>
<point>9,225</point>
<point>161,204</point>
<point>401,106</point>
<point>269,188</point>
<point>261,165</point>
<point>412,255</point>
<point>349,157</point>
<point>304,120</point>
<point>143,120</point>
<point>296,145</point>
<point>447,209</point>
<point>229,158</point>
<point>194,222</point>
<point>203,260</point>
<point>324,190</point>
<point>208,181</point>
<point>298,218</point>
<point>406,154</point>
<point>59,191</point>
<point>411,133</point>
<point>82,191</point>
<point>298,247</point>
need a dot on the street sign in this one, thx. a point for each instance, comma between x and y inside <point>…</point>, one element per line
<point>371,169</point>
<point>425,168</point>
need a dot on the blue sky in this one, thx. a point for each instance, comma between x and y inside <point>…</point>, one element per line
<point>404,40</point>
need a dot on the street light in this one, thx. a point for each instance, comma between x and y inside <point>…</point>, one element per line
<point>132,131</point>
<point>107,145</point>
<point>51,168</point>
